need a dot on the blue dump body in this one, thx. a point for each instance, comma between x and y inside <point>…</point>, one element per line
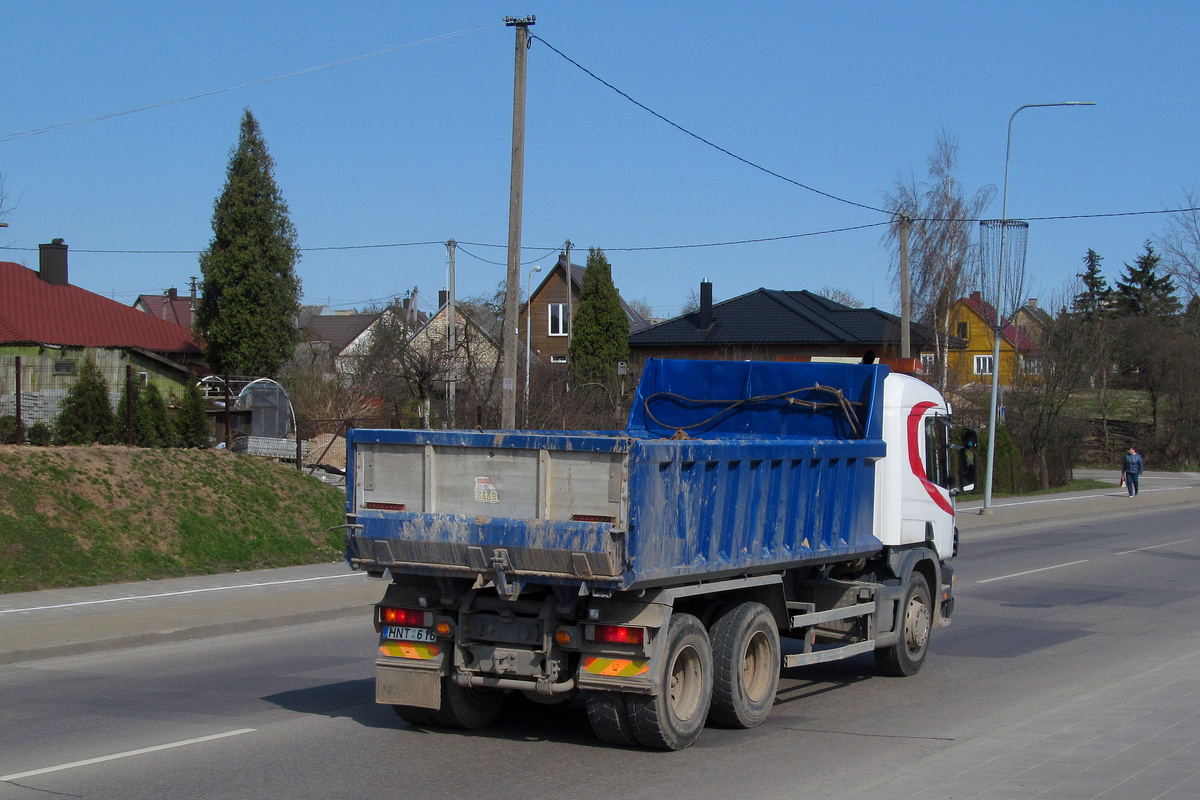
<point>725,468</point>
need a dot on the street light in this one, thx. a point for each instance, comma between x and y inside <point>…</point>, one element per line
<point>528,332</point>
<point>994,416</point>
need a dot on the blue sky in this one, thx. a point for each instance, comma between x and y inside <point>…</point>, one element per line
<point>414,145</point>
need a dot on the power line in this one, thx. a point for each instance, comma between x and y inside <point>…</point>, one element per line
<point>60,126</point>
<point>549,250</point>
<point>700,138</point>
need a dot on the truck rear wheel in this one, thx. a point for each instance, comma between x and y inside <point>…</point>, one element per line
<point>745,642</point>
<point>674,718</point>
<point>908,653</point>
<point>609,717</point>
<point>468,707</point>
<point>413,715</point>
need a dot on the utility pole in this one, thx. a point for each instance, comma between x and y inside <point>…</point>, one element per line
<point>570,301</point>
<point>451,335</point>
<point>512,293</point>
<point>905,291</point>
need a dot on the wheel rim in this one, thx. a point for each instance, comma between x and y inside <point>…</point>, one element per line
<point>686,681</point>
<point>756,666</point>
<point>916,624</point>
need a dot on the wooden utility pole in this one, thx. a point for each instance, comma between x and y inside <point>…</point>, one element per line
<point>512,293</point>
<point>451,335</point>
<point>905,290</point>
<point>570,320</point>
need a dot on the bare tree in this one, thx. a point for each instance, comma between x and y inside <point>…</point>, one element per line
<point>1180,244</point>
<point>941,242</point>
<point>839,295</point>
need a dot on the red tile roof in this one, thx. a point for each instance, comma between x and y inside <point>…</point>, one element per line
<point>33,311</point>
<point>1008,331</point>
<point>177,309</point>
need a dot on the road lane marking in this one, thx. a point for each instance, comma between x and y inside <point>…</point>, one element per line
<point>1031,571</point>
<point>181,592</point>
<point>86,762</point>
<point>1151,547</point>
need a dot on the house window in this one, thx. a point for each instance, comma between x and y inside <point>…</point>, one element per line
<point>983,365</point>
<point>1031,365</point>
<point>558,359</point>
<point>962,331</point>
<point>65,367</point>
<point>143,378</point>
<point>558,318</point>
<point>928,360</point>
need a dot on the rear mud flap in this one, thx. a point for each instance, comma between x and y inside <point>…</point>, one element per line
<point>405,686</point>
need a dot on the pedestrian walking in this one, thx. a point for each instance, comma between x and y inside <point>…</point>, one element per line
<point>1131,469</point>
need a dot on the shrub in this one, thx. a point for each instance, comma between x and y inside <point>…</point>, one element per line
<point>39,434</point>
<point>8,429</point>
<point>86,416</point>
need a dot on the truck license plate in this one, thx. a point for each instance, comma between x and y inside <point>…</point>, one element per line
<point>408,634</point>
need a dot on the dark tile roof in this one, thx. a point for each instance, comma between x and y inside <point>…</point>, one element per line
<point>770,316</point>
<point>177,309</point>
<point>337,329</point>
<point>35,312</point>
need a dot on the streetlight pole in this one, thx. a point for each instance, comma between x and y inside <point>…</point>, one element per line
<point>993,419</point>
<point>528,333</point>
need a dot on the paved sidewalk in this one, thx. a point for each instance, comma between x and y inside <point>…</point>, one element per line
<point>61,622</point>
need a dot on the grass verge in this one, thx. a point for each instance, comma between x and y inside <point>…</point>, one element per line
<point>81,516</point>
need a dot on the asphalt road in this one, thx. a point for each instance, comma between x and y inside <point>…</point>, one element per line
<point>1055,619</point>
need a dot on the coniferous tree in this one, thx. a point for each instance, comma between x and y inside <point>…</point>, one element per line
<point>119,432</point>
<point>150,419</point>
<point>1096,295</point>
<point>86,415</point>
<point>1142,292</point>
<point>251,291</point>
<point>600,332</point>
<point>191,424</point>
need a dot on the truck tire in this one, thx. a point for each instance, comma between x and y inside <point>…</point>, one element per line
<point>608,714</point>
<point>674,718</point>
<point>916,616</point>
<point>468,708</point>
<point>745,643</point>
<point>414,715</point>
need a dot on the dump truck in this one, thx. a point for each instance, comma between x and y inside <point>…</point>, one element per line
<point>655,570</point>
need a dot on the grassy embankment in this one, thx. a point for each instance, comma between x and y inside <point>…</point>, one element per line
<point>80,516</point>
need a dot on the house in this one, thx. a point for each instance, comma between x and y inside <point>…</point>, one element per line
<point>972,319</point>
<point>1032,320</point>
<point>775,325</point>
<point>170,306</point>
<point>552,307</point>
<point>52,326</point>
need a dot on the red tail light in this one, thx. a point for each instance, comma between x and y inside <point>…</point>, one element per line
<point>406,616</point>
<point>619,634</point>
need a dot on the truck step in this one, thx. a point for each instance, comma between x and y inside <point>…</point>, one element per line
<point>831,654</point>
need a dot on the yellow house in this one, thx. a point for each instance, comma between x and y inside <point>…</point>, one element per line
<point>973,319</point>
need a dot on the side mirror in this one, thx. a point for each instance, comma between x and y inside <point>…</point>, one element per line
<point>966,469</point>
<point>970,438</point>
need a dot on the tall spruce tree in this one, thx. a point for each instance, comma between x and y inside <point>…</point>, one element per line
<point>1096,295</point>
<point>191,423</point>
<point>251,293</point>
<point>1142,292</point>
<point>600,330</point>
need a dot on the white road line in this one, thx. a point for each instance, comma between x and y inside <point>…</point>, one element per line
<point>1031,571</point>
<point>1151,547</point>
<point>182,592</point>
<point>19,775</point>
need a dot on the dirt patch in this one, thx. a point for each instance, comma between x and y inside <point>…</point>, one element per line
<point>329,449</point>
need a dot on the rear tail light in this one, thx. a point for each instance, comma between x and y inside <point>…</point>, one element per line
<point>410,617</point>
<point>616,634</point>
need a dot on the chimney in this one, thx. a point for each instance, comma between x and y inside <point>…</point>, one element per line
<point>706,317</point>
<point>977,296</point>
<point>443,297</point>
<point>52,263</point>
<point>1031,302</point>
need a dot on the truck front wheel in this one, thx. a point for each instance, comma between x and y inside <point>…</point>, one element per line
<point>908,653</point>
<point>745,642</point>
<point>674,718</point>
